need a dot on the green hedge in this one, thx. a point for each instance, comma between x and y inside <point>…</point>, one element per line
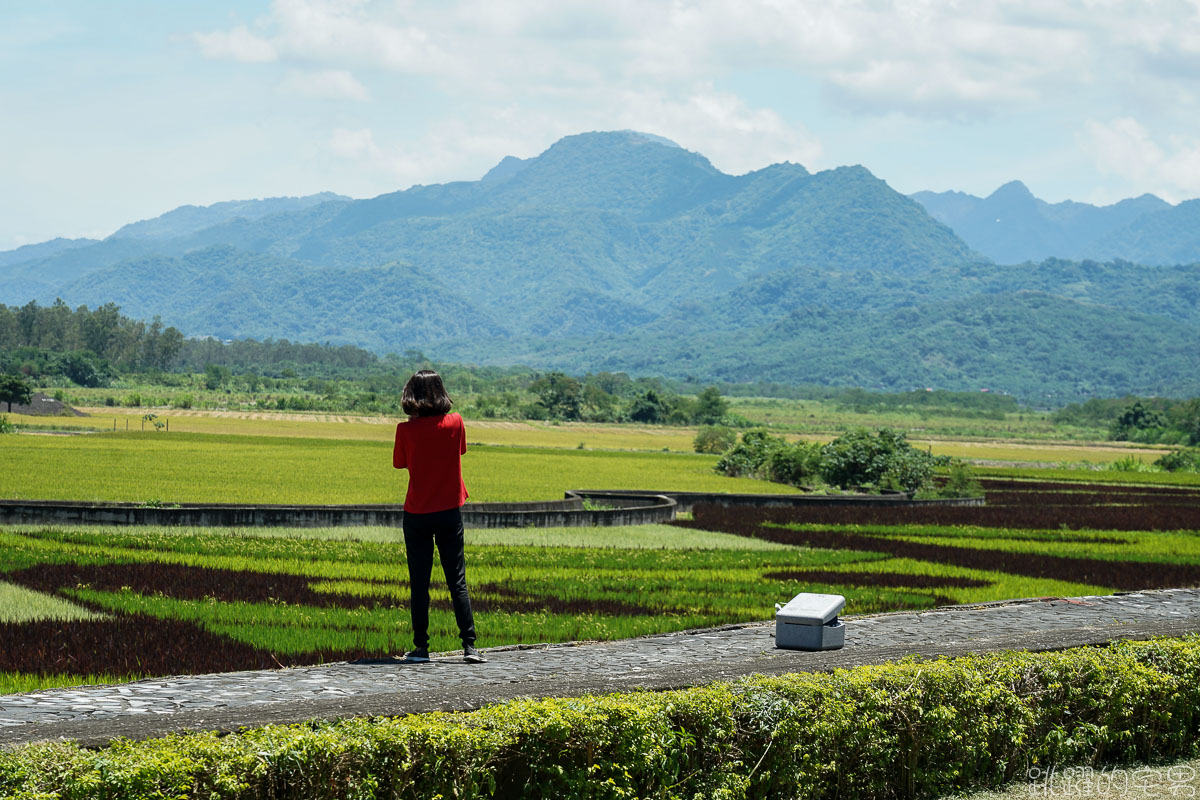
<point>918,728</point>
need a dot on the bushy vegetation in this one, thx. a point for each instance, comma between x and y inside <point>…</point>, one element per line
<point>714,439</point>
<point>862,460</point>
<point>915,728</point>
<point>1149,420</point>
<point>1180,461</point>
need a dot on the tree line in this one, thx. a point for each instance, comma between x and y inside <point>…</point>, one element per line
<point>1149,420</point>
<point>86,345</point>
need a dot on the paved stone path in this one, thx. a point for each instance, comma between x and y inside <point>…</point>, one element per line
<point>95,715</point>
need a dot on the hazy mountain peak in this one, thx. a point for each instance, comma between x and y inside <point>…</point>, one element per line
<point>508,166</point>
<point>651,137</point>
<point>1013,190</point>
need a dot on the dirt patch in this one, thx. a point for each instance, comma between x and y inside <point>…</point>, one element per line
<point>123,646</point>
<point>1034,506</point>
<point>41,405</point>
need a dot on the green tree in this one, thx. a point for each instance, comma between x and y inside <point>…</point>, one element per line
<point>84,368</point>
<point>14,389</point>
<point>773,458</point>
<point>1134,418</point>
<point>1185,418</point>
<point>560,394</point>
<point>714,439</point>
<point>649,407</point>
<point>599,405</point>
<point>215,375</point>
<point>882,459</point>
<point>711,408</point>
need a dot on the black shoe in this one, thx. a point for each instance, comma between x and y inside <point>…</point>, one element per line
<point>418,656</point>
<point>472,656</point>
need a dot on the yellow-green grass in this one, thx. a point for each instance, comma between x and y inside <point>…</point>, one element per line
<point>1004,586</point>
<point>802,416</point>
<point>1095,453</point>
<point>596,436</point>
<point>1086,476</point>
<point>18,604</point>
<point>620,537</point>
<point>1176,547</point>
<point>18,682</point>
<point>139,467</point>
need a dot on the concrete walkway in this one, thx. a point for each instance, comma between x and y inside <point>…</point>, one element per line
<point>226,702</point>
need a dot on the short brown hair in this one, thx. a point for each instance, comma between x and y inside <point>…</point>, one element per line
<point>424,395</point>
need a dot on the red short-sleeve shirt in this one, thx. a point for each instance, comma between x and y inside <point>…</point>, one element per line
<point>431,449</point>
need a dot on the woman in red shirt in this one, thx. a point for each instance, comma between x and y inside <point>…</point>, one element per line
<point>430,446</point>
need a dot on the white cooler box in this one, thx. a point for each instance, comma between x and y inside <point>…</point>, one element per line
<point>810,622</point>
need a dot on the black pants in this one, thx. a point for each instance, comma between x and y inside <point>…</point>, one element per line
<point>421,532</point>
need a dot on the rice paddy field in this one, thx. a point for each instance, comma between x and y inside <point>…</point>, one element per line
<point>104,604</point>
<point>207,467</point>
<point>129,602</point>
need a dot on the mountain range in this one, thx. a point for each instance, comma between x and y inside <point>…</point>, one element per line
<point>1010,226</point>
<point>623,251</point>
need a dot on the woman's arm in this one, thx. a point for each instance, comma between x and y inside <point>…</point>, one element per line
<point>399,458</point>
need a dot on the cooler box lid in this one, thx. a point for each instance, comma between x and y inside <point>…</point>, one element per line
<point>811,609</point>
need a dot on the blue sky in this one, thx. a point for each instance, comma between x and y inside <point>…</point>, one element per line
<point>116,111</point>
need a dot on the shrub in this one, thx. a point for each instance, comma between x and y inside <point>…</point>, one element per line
<point>960,482</point>
<point>6,426</point>
<point>913,728</point>
<point>1180,461</point>
<point>714,439</point>
<point>1131,464</point>
<point>761,455</point>
<point>883,459</point>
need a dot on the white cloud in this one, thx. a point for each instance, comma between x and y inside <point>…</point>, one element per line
<point>935,58</point>
<point>479,79</point>
<point>328,84</point>
<point>359,144</point>
<point>1125,148</point>
<point>238,44</point>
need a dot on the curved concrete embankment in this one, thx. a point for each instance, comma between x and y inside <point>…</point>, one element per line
<point>581,507</point>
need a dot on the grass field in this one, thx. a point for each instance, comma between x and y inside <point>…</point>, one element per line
<point>816,416</point>
<point>178,467</point>
<point>567,435</point>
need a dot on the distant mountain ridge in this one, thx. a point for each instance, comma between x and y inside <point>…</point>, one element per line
<point>1011,226</point>
<point>624,251</point>
<point>191,219</point>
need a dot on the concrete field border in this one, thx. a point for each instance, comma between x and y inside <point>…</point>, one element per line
<point>579,508</point>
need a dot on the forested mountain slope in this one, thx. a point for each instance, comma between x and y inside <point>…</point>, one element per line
<point>622,251</point>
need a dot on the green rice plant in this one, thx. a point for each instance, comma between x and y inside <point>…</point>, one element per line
<point>19,682</point>
<point>621,537</point>
<point>1092,476</point>
<point>18,604</point>
<point>1175,547</point>
<point>260,469</point>
<point>997,585</point>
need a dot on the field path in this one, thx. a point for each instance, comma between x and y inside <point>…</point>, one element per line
<point>96,715</point>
